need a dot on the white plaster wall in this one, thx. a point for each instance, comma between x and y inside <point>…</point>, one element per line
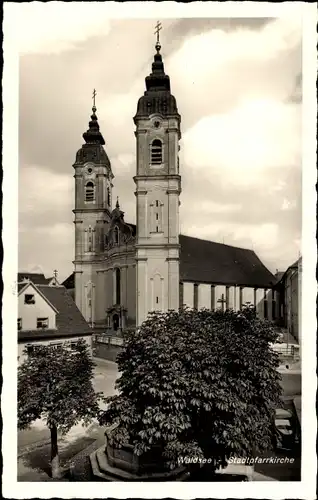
<point>231,297</point>
<point>236,298</point>
<point>248,295</point>
<point>30,312</point>
<point>188,294</point>
<point>204,296</point>
<point>260,302</point>
<point>22,345</point>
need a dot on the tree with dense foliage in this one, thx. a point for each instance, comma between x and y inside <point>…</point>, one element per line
<point>56,385</point>
<point>198,384</point>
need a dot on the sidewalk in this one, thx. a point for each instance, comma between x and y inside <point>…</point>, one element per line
<point>34,462</point>
<point>293,368</point>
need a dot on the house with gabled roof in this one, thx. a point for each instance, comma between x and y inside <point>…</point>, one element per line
<point>48,315</point>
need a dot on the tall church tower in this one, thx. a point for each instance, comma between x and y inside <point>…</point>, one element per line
<point>93,202</point>
<point>158,186</point>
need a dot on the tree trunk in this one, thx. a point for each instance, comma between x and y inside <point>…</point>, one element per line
<point>55,462</point>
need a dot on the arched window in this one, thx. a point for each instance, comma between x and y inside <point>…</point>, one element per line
<point>108,196</point>
<point>89,191</point>
<point>116,235</point>
<point>156,152</point>
<point>117,285</point>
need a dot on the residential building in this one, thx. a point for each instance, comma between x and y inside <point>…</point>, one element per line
<point>48,315</point>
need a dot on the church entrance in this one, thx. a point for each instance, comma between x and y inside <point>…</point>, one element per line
<point>115,322</point>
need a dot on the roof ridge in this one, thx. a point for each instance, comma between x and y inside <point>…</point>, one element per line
<point>218,243</point>
<point>208,241</point>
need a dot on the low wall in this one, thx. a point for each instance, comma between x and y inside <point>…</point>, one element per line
<point>106,347</point>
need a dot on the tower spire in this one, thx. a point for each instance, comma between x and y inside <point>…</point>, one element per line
<point>93,135</point>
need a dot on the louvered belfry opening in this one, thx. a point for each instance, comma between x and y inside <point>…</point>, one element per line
<point>156,152</point>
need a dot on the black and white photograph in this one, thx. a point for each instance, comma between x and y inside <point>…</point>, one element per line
<point>159,267</point>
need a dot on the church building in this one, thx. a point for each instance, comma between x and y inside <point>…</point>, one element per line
<point>123,271</point>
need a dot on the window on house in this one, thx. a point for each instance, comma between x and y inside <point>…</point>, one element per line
<point>157,216</point>
<point>157,300</point>
<point>19,323</point>
<point>42,323</point>
<point>29,299</point>
<point>156,152</point>
<point>89,191</point>
<point>157,203</point>
<point>157,229</point>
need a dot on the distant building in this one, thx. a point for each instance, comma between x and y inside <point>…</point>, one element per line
<point>123,271</point>
<point>288,290</point>
<point>47,315</point>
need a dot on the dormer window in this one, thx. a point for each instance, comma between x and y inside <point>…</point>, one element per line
<point>90,192</point>
<point>156,152</point>
<point>29,299</point>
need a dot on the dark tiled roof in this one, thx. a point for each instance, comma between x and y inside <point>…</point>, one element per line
<point>69,283</point>
<point>36,278</point>
<point>20,286</point>
<point>205,261</point>
<point>69,318</point>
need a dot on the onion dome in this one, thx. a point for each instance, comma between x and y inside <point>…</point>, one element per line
<point>157,97</point>
<point>93,135</point>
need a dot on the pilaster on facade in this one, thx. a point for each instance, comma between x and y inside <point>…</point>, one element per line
<point>158,186</point>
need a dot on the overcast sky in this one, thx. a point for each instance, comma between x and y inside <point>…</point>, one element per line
<point>238,88</point>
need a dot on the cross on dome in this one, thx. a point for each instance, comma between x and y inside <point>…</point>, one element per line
<point>94,96</point>
<point>157,29</point>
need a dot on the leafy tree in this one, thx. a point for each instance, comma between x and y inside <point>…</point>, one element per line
<point>197,383</point>
<point>56,385</point>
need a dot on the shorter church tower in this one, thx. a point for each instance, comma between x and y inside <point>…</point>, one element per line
<point>158,186</point>
<point>93,206</point>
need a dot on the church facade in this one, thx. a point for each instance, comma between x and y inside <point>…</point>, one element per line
<point>123,271</point>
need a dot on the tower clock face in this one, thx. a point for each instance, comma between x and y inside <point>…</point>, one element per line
<point>89,169</point>
<point>156,123</point>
